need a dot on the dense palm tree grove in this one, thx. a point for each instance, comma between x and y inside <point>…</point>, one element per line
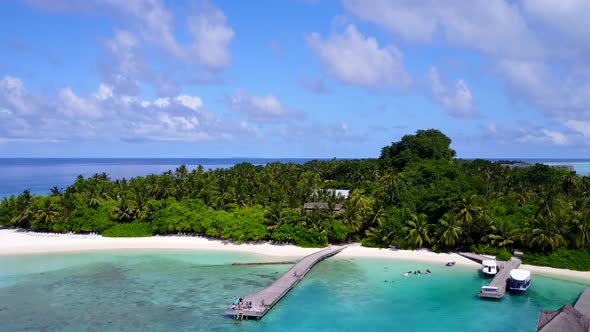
<point>414,195</point>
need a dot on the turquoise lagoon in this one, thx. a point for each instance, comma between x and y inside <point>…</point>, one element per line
<point>188,291</point>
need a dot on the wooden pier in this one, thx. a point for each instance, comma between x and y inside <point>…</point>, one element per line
<point>263,263</point>
<point>265,299</point>
<point>497,287</point>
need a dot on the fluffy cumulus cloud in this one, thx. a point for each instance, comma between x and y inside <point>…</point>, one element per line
<point>212,37</point>
<point>455,98</point>
<point>580,127</point>
<point>494,27</point>
<point>352,58</point>
<point>261,108</point>
<point>105,115</point>
<point>14,99</point>
<point>74,106</point>
<point>539,48</point>
<point>123,67</point>
<point>210,34</point>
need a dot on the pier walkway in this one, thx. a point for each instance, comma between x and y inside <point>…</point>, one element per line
<point>265,299</point>
<point>497,287</point>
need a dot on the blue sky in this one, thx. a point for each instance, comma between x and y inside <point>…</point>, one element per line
<point>293,78</point>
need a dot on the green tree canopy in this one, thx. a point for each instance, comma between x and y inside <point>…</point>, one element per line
<point>425,144</point>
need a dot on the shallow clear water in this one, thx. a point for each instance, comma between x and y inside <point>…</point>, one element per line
<point>188,291</point>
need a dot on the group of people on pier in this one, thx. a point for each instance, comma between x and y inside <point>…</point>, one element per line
<point>240,304</point>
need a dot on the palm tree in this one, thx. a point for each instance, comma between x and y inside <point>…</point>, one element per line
<point>580,228</point>
<point>24,212</point>
<point>274,217</point>
<point>181,172</point>
<point>352,221</point>
<point>391,182</point>
<point>140,202</point>
<point>503,233</point>
<point>549,206</point>
<point>379,235</point>
<point>543,233</point>
<point>524,196</point>
<point>570,183</point>
<point>94,199</point>
<point>449,231</point>
<point>55,192</point>
<point>45,215</point>
<point>485,176</point>
<point>356,212</point>
<point>124,212</point>
<point>358,200</point>
<point>468,210</point>
<point>417,228</point>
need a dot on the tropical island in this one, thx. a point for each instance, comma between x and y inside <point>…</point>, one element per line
<point>415,195</point>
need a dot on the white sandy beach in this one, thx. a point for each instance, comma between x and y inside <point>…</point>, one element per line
<point>13,242</point>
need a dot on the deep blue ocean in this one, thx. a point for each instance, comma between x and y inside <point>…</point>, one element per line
<point>40,174</point>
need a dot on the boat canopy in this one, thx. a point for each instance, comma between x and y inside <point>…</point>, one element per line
<point>521,275</point>
<point>488,262</point>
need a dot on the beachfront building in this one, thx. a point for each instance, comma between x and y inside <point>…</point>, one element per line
<point>569,318</point>
<point>336,193</point>
<point>323,206</point>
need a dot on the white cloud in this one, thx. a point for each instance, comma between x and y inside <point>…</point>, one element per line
<point>581,127</point>
<point>556,137</point>
<point>13,96</point>
<point>539,48</point>
<point>526,134</point>
<point>564,22</point>
<point>456,100</point>
<point>74,106</point>
<point>162,102</point>
<point>104,115</point>
<point>104,92</point>
<point>563,95</point>
<point>494,27</point>
<point>123,66</point>
<point>192,102</point>
<point>212,37</point>
<point>261,108</point>
<point>355,59</point>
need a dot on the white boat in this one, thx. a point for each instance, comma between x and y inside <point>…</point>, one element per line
<point>489,267</point>
<point>489,291</point>
<point>520,280</point>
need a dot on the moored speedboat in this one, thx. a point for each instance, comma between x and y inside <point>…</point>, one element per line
<point>489,267</point>
<point>451,263</point>
<point>519,281</point>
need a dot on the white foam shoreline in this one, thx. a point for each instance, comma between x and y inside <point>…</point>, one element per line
<point>13,242</point>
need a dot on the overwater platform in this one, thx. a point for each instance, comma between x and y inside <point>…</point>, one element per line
<point>497,287</point>
<point>265,299</point>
